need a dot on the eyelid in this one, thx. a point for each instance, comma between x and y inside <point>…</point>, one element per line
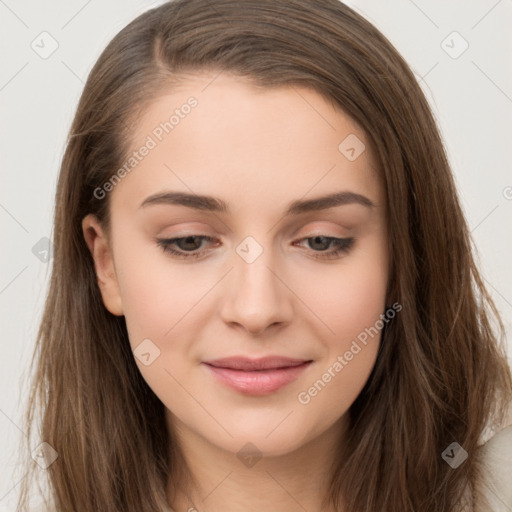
<point>323,227</point>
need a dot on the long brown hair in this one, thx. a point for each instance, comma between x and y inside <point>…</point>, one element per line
<point>441,376</point>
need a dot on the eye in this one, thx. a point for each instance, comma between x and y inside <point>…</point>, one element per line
<point>322,244</point>
<point>187,247</point>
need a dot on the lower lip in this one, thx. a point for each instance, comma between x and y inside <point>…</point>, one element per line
<point>261,382</point>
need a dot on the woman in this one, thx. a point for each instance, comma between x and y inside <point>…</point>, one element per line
<point>326,341</point>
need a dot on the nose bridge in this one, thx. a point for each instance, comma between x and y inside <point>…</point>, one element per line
<point>256,297</point>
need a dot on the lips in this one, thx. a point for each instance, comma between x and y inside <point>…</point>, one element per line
<point>257,376</point>
<point>264,363</point>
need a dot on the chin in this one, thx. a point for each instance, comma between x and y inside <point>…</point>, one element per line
<point>267,442</point>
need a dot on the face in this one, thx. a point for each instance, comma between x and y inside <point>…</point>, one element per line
<point>258,270</point>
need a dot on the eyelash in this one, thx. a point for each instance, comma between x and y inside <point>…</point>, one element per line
<point>343,246</point>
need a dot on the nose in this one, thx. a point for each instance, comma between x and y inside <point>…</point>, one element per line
<point>257,295</point>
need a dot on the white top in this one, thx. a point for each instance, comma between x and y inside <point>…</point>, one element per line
<point>493,490</point>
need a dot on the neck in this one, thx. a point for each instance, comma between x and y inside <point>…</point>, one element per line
<point>221,480</point>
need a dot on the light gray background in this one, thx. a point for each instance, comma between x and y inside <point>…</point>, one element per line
<point>471,96</point>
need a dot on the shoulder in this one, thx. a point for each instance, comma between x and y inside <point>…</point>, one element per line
<point>492,487</point>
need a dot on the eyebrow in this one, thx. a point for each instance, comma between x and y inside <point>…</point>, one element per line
<point>214,204</point>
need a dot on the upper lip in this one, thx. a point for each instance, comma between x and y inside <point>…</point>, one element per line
<point>248,364</point>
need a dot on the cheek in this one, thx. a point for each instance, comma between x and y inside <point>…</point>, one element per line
<point>359,303</point>
<point>159,303</point>
<point>156,295</point>
<point>349,297</point>
<point>350,303</point>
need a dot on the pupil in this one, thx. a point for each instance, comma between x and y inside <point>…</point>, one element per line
<point>188,240</point>
<point>316,238</point>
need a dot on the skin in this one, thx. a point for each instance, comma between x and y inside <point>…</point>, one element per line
<point>258,149</point>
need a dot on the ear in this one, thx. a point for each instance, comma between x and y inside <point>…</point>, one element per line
<point>103,264</point>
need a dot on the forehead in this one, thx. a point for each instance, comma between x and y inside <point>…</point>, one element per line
<point>222,135</point>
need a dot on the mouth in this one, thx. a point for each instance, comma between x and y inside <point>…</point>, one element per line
<point>257,376</point>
